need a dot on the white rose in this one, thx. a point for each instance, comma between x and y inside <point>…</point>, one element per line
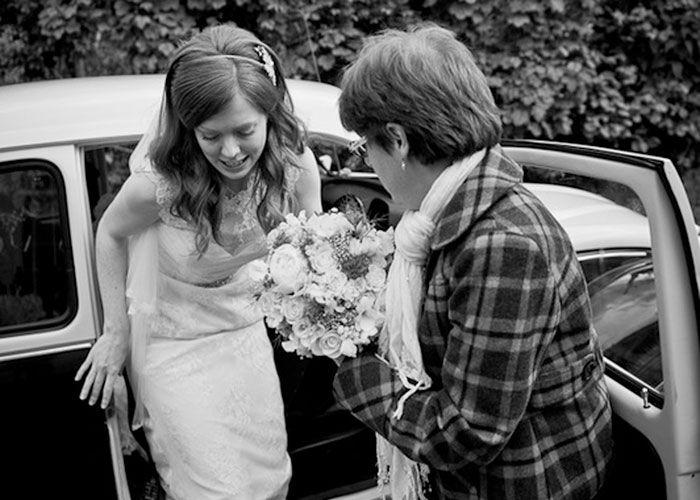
<point>353,289</point>
<point>319,293</point>
<point>386,241</point>
<point>376,277</point>
<point>295,220</point>
<point>302,328</point>
<point>329,345</point>
<point>327,224</point>
<point>291,345</point>
<point>378,260</point>
<point>268,303</point>
<point>274,234</point>
<point>322,258</point>
<point>368,323</point>
<point>274,319</point>
<point>355,246</point>
<point>334,282</point>
<point>309,335</point>
<point>293,309</point>
<point>288,268</point>
<point>366,301</point>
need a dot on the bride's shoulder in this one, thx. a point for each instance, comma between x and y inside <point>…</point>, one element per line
<point>307,161</point>
<point>140,191</point>
<point>155,186</point>
<point>305,181</point>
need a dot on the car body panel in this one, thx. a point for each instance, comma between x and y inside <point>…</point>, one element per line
<point>53,444</point>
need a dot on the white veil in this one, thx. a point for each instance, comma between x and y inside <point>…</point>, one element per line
<point>141,281</point>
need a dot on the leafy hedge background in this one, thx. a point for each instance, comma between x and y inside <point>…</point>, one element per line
<point>615,73</point>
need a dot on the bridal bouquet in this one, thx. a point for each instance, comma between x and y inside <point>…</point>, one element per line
<point>324,281</point>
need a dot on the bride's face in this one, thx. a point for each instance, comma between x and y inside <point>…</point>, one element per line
<point>233,140</point>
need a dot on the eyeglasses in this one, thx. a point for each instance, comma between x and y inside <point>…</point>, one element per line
<point>358,147</point>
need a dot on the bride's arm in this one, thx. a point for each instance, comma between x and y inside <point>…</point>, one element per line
<point>308,187</point>
<point>133,209</point>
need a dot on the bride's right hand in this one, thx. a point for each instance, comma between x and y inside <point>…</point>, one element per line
<point>103,365</point>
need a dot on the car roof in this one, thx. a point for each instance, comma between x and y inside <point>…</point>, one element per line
<point>592,221</point>
<point>93,108</point>
<point>85,110</point>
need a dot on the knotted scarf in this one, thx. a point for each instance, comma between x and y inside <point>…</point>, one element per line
<point>398,340</point>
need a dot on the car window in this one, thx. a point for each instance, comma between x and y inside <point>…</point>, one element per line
<point>599,262</point>
<point>613,191</point>
<point>37,285</point>
<point>609,229</point>
<point>106,169</point>
<point>333,155</point>
<point>625,315</point>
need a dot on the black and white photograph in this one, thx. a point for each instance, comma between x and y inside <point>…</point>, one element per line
<point>350,249</point>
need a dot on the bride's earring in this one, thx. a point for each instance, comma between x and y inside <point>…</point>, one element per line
<point>403,165</point>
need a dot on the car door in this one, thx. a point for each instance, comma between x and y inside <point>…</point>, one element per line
<point>656,421</point>
<point>53,444</point>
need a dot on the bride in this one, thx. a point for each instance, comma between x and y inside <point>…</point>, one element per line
<point>175,253</point>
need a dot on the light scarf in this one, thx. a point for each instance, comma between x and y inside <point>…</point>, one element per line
<point>398,340</point>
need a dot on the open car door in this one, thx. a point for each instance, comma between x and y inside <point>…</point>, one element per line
<point>645,311</point>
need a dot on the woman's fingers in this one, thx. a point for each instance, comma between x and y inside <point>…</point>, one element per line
<point>107,390</point>
<point>84,367</point>
<point>97,386</point>
<point>102,365</point>
<point>87,385</point>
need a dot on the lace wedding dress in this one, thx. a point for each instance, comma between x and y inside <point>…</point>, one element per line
<point>211,401</point>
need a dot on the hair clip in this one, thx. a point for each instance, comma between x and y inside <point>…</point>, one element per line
<point>267,62</point>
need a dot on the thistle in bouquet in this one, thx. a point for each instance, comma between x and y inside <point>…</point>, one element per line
<point>323,286</point>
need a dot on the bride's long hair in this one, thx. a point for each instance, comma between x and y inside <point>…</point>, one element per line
<point>199,84</point>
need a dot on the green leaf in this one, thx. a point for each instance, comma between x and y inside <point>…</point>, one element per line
<point>519,21</point>
<point>519,117</point>
<point>459,11</point>
<point>557,5</point>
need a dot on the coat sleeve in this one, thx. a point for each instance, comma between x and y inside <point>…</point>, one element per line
<point>503,310</point>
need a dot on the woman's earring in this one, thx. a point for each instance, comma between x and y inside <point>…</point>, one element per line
<point>403,165</point>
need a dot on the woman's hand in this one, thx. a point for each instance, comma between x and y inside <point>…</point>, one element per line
<point>103,364</point>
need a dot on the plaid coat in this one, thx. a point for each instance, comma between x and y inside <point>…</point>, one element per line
<point>518,408</point>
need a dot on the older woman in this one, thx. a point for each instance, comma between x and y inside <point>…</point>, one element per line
<point>489,381</point>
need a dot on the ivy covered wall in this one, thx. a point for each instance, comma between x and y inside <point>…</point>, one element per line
<point>613,73</point>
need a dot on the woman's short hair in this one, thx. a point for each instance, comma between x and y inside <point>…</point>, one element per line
<point>428,82</point>
<point>204,75</point>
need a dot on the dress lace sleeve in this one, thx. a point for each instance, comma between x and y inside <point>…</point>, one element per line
<point>165,194</point>
<point>292,175</point>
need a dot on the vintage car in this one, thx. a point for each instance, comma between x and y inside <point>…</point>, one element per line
<point>64,147</point>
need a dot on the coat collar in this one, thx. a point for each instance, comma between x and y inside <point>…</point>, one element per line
<point>485,185</point>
